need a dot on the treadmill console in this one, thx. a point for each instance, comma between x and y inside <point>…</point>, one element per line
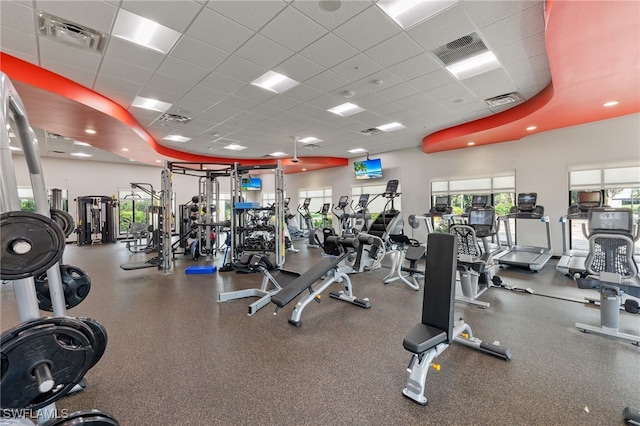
<point>610,220</point>
<point>363,200</point>
<point>325,209</point>
<point>586,200</point>
<point>527,207</point>
<point>391,189</point>
<point>306,202</point>
<point>442,206</point>
<point>483,220</point>
<point>342,202</point>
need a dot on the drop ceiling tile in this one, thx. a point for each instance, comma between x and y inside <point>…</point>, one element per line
<point>212,96</point>
<point>198,53</point>
<point>123,99</point>
<point>21,55</point>
<point>263,51</point>
<point>487,12</point>
<point>275,106</point>
<point>184,70</point>
<point>293,30</point>
<point>241,69</point>
<point>251,14</point>
<point>328,51</point>
<point>222,83</point>
<point>253,94</point>
<point>11,39</point>
<point>97,15</point>
<point>17,16</point>
<point>529,66</point>
<point>133,54</point>
<point>219,31</point>
<point>398,91</point>
<point>194,105</point>
<point>302,93</point>
<point>125,71</point>
<point>169,84</point>
<point>173,14</point>
<point>371,101</point>
<point>414,67</point>
<point>448,90</point>
<point>367,29</point>
<point>299,68</point>
<point>80,76</point>
<point>105,82</point>
<point>432,80</point>
<point>357,68</point>
<point>521,49</point>
<point>331,20</point>
<point>413,101</point>
<point>448,25</point>
<point>518,26</point>
<point>327,81</point>
<point>394,50</point>
<point>69,55</point>
<point>159,94</point>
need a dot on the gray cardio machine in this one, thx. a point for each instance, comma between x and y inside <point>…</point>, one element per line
<point>531,257</point>
<point>611,269</point>
<point>572,260</point>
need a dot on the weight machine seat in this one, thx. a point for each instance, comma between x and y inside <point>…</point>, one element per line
<point>423,337</point>
<point>438,297</point>
<point>306,280</point>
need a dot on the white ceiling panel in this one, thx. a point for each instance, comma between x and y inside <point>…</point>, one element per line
<point>251,14</point>
<point>175,15</point>
<point>225,45</point>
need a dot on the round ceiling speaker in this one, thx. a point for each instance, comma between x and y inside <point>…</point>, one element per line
<point>330,6</point>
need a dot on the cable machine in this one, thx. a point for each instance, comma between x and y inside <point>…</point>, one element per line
<point>96,219</point>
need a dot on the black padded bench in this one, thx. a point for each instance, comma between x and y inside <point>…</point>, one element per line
<point>437,329</point>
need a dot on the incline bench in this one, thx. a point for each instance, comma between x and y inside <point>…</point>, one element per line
<point>327,268</point>
<point>437,330</point>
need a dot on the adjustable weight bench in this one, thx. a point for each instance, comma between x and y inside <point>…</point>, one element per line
<point>327,268</point>
<point>272,282</point>
<point>438,330</point>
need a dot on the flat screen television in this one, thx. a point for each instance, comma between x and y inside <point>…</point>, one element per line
<point>251,184</point>
<point>610,219</point>
<point>368,169</point>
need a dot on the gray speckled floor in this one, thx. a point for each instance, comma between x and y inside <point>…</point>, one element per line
<point>178,357</point>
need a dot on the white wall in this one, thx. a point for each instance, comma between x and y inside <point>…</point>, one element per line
<point>541,163</point>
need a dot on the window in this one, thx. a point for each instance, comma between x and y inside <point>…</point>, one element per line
<point>132,208</point>
<point>377,204</point>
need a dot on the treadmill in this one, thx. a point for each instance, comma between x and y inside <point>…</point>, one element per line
<point>531,257</point>
<point>573,259</point>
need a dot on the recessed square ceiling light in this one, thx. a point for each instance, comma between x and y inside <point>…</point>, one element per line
<point>81,143</point>
<point>407,13</point>
<point>144,32</point>
<point>610,104</point>
<point>357,150</point>
<point>474,65</point>
<point>81,154</point>
<point>274,82</point>
<point>278,154</point>
<point>309,139</point>
<point>90,131</point>
<point>346,109</point>
<point>150,104</point>
<point>176,138</point>
<point>390,127</point>
<point>235,147</point>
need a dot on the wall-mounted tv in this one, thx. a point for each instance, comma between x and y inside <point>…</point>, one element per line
<point>251,184</point>
<point>368,169</point>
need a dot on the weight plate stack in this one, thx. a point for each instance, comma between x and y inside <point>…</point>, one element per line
<point>88,418</point>
<point>30,244</point>
<point>99,337</point>
<point>64,220</point>
<point>75,285</point>
<point>62,345</point>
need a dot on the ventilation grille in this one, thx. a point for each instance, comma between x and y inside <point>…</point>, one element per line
<point>371,132</point>
<point>51,135</point>
<point>508,98</point>
<point>310,146</point>
<point>70,33</point>
<point>174,118</point>
<point>461,48</point>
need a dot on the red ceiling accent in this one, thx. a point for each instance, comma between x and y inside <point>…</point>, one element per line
<point>594,57</point>
<point>63,106</point>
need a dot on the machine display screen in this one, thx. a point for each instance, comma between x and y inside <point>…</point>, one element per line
<point>528,198</point>
<point>481,217</point>
<point>479,200</point>
<point>364,199</point>
<point>590,198</point>
<point>392,186</point>
<point>442,201</point>
<point>611,219</point>
<point>343,201</point>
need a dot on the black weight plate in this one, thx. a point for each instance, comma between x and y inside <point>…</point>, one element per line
<point>64,219</point>
<point>75,285</point>
<point>61,342</point>
<point>88,417</point>
<point>100,336</point>
<point>31,244</point>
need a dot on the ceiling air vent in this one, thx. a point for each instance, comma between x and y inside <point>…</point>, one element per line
<point>461,48</point>
<point>70,33</point>
<point>500,100</point>
<point>174,118</point>
<point>51,135</point>
<point>310,146</point>
<point>371,132</point>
